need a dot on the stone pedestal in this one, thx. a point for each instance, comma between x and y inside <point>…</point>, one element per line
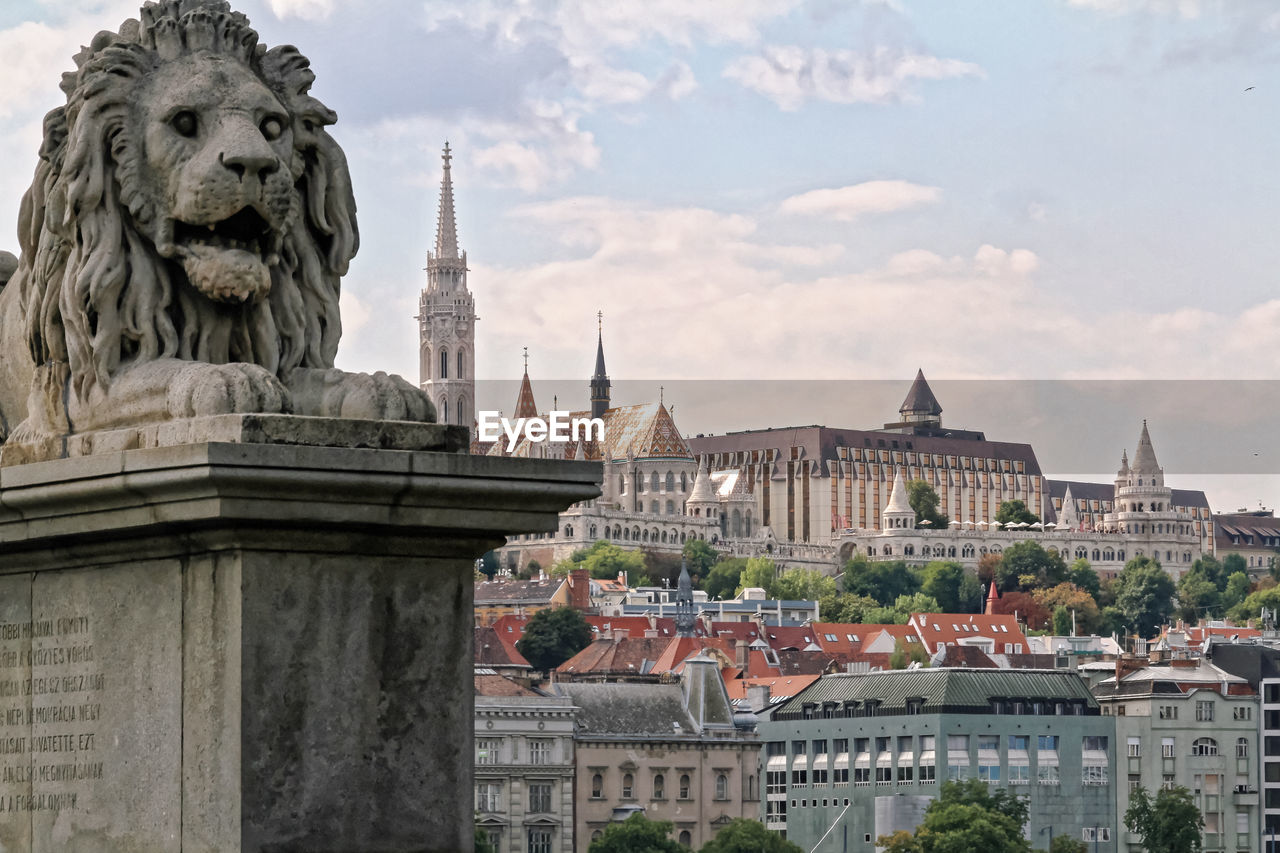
<point>250,647</point>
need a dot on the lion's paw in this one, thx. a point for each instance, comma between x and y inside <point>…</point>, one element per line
<point>379,396</point>
<point>219,389</point>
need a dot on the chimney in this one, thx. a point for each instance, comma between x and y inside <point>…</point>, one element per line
<point>580,590</point>
<point>1126,664</point>
<point>740,654</point>
<point>757,696</point>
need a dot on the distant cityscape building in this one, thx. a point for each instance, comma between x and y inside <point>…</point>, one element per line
<point>447,320</point>
<point>1182,721</point>
<point>675,751</point>
<point>856,756</point>
<point>1253,535</point>
<point>1140,519</point>
<point>524,766</point>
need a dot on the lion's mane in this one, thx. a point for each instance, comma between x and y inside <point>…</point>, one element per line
<point>95,292</point>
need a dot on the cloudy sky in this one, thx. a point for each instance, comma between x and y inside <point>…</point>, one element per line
<point>780,189</point>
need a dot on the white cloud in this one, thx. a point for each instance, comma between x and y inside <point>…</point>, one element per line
<point>848,203</point>
<point>307,10</point>
<point>1183,8</point>
<point>789,75</point>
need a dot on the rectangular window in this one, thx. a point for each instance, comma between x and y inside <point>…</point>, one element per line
<point>1242,827</point>
<point>540,797</point>
<point>1243,712</point>
<point>957,743</point>
<point>1047,774</point>
<point>1047,743</point>
<point>989,773</point>
<point>1018,742</point>
<point>540,750</point>
<point>539,840</point>
<point>862,775</point>
<point>884,775</point>
<point>906,773</point>
<point>489,796</point>
<point>488,750</point>
<point>1135,747</point>
<point>1204,711</point>
<point>1094,774</point>
<point>991,742</point>
<point>1019,774</point>
<point>928,774</point>
<point>1167,747</point>
<point>957,772</point>
<point>1098,742</point>
<point>1168,712</point>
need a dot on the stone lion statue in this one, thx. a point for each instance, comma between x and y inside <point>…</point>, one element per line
<point>183,240</point>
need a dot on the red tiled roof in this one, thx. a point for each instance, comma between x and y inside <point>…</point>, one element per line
<point>629,656</point>
<point>496,685</point>
<point>493,649</point>
<point>780,687</point>
<point>938,629</point>
<point>845,634</point>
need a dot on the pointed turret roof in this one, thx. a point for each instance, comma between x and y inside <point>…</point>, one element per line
<point>1144,458</point>
<point>898,497</point>
<point>600,371</point>
<point>1124,462</point>
<point>1068,517</point>
<point>703,491</point>
<point>525,407</point>
<point>920,399</point>
<point>993,595</point>
<point>446,229</point>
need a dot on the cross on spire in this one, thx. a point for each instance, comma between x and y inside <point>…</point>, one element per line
<point>526,359</point>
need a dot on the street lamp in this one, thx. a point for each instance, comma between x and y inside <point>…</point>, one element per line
<point>1043,829</point>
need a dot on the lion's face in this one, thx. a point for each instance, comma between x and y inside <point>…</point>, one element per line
<point>216,158</point>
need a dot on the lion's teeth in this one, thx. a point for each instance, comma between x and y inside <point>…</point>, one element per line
<point>210,226</point>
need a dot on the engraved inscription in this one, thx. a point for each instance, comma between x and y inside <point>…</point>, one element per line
<point>50,707</point>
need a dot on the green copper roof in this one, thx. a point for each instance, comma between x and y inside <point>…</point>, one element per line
<point>942,689</point>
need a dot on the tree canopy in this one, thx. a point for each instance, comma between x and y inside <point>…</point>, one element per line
<point>966,816</point>
<point>699,556</point>
<point>553,636</point>
<point>759,572</point>
<point>803,584</point>
<point>743,835</point>
<point>882,580</point>
<point>724,578</point>
<point>1144,594</point>
<point>1015,511</point>
<point>1170,823</point>
<point>637,834</point>
<point>604,560</point>
<point>924,500</point>
<point>1027,565</point>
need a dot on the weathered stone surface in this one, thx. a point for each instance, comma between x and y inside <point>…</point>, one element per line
<point>244,429</point>
<point>196,274</point>
<point>273,643</point>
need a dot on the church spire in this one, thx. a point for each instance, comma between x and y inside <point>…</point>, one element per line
<point>686,616</point>
<point>525,407</point>
<point>599,381</point>
<point>446,229</point>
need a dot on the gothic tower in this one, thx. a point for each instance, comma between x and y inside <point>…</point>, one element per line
<point>600,379</point>
<point>447,320</point>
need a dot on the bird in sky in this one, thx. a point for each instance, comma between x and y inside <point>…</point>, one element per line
<point>1248,89</point>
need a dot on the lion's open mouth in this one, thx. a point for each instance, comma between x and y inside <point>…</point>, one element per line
<point>228,260</point>
<point>245,229</point>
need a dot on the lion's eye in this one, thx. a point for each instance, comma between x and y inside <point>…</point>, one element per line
<point>271,128</point>
<point>184,123</point>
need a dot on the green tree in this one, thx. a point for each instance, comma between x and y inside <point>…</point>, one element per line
<point>482,842</point>
<point>846,607</point>
<point>1252,606</point>
<point>1233,563</point>
<point>1061,621</point>
<point>882,580</point>
<point>724,578</point>
<point>967,816</point>
<point>489,564</point>
<point>604,560</point>
<point>1015,511</point>
<point>637,834</point>
<point>898,657</point>
<point>743,835</point>
<point>799,584</point>
<point>759,572</point>
<point>553,636</point>
<point>1082,575</point>
<point>700,556</point>
<point>1237,590</point>
<point>924,500</point>
<point>1144,594</point>
<point>1029,560</point>
<point>1067,844</point>
<point>944,582</point>
<point>1168,824</point>
<point>901,610</point>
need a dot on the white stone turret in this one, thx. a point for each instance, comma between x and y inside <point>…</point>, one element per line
<point>1068,518</point>
<point>702,501</point>
<point>898,515</point>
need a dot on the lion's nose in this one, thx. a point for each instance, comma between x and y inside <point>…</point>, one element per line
<point>251,161</point>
